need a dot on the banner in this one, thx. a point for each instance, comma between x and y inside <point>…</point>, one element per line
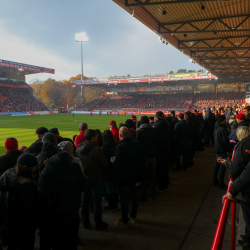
<point>149,89</point>
<point>173,78</point>
<point>25,66</point>
<point>14,86</point>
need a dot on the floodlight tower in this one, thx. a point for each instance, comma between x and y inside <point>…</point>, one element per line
<point>82,38</point>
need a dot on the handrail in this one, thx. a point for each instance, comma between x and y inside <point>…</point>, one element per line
<point>220,230</point>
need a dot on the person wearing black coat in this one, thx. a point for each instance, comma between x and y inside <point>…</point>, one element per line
<point>108,148</point>
<point>36,147</point>
<point>174,119</point>
<point>209,122</point>
<point>221,149</point>
<point>181,133</point>
<point>129,166</point>
<point>19,204</point>
<point>9,158</point>
<point>164,147</point>
<point>61,184</point>
<point>148,137</point>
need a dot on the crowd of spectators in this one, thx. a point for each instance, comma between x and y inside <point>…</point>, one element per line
<point>11,82</point>
<point>19,100</point>
<point>166,101</point>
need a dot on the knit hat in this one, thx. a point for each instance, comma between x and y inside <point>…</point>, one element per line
<point>133,118</point>
<point>22,148</point>
<point>221,118</point>
<point>26,159</point>
<point>41,130</point>
<point>54,131</point>
<point>144,119</point>
<point>129,123</point>
<point>240,117</point>
<point>50,138</point>
<point>66,146</point>
<point>11,143</point>
<point>159,114</point>
<point>196,114</point>
<point>112,123</point>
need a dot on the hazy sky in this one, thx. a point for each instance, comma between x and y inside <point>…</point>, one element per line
<point>42,33</point>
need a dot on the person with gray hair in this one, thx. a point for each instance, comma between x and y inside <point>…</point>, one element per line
<point>129,165</point>
<point>80,138</point>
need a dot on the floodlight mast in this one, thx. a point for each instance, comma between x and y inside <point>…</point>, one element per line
<point>82,38</point>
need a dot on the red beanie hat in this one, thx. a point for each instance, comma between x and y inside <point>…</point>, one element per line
<point>112,123</point>
<point>240,117</point>
<point>196,114</point>
<point>11,143</point>
<point>133,117</point>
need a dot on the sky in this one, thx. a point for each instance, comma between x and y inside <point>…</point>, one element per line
<point>42,33</point>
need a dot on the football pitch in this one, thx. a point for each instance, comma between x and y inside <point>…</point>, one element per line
<point>23,127</point>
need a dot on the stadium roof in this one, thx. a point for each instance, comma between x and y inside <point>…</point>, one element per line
<point>213,33</point>
<point>23,69</point>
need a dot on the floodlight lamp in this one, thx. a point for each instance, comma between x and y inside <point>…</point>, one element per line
<point>81,37</point>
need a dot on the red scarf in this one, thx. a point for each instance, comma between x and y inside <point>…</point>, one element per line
<point>11,150</point>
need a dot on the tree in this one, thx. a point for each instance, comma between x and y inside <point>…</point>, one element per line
<point>191,71</point>
<point>181,71</point>
<point>37,88</point>
<point>171,72</point>
<point>201,70</point>
<point>128,75</point>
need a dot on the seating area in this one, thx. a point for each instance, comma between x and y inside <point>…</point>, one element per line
<point>19,100</point>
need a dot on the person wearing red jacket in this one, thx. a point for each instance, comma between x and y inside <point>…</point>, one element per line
<point>80,138</point>
<point>114,130</point>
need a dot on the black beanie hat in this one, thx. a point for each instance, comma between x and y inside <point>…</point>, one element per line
<point>49,138</point>
<point>27,159</point>
<point>144,119</point>
<point>129,123</point>
<point>41,131</point>
<point>221,118</point>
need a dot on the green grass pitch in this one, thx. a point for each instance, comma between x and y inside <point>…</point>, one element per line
<point>23,127</point>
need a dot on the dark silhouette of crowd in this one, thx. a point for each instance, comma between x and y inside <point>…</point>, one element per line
<point>11,82</point>
<point>19,100</point>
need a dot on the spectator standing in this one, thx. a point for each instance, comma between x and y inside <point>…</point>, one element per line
<point>9,158</point>
<point>36,147</point>
<point>80,138</point>
<point>114,130</point>
<point>174,119</point>
<point>59,139</point>
<point>233,123</point>
<point>93,162</point>
<point>19,203</point>
<point>108,148</point>
<point>147,137</point>
<point>134,119</point>
<point>247,113</point>
<point>209,122</point>
<point>181,132</point>
<point>129,157</point>
<point>132,132</point>
<point>221,149</point>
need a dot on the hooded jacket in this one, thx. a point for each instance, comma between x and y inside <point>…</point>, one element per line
<point>19,209</point>
<point>8,160</point>
<point>240,158</point>
<point>221,141</point>
<point>115,132</point>
<point>148,137</point>
<point>93,161</point>
<point>229,115</point>
<point>233,125</point>
<point>48,151</point>
<point>35,148</point>
<point>60,186</point>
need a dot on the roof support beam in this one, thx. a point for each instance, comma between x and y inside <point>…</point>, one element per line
<point>150,3</point>
<point>225,57</point>
<point>210,39</point>
<point>202,31</point>
<point>205,49</point>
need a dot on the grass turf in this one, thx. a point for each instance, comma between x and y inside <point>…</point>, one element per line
<point>23,127</point>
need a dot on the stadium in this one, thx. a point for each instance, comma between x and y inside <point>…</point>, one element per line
<point>133,162</point>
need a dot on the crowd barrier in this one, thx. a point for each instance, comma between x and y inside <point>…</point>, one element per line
<point>28,113</point>
<point>121,113</point>
<point>221,226</point>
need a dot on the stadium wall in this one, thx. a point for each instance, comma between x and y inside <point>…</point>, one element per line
<point>28,113</point>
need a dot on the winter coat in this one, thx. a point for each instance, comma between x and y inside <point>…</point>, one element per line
<point>109,152</point>
<point>93,161</point>
<point>233,125</point>
<point>79,139</point>
<point>240,158</point>
<point>229,115</point>
<point>35,148</point>
<point>174,120</point>
<point>148,137</point>
<point>242,184</point>
<point>19,210</point>
<point>165,136</point>
<point>8,160</point>
<point>129,164</point>
<point>61,184</point>
<point>221,141</point>
<point>181,130</point>
<point>48,151</point>
<point>209,120</point>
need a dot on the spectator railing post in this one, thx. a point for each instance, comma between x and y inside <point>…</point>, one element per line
<point>233,222</point>
<point>220,230</point>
